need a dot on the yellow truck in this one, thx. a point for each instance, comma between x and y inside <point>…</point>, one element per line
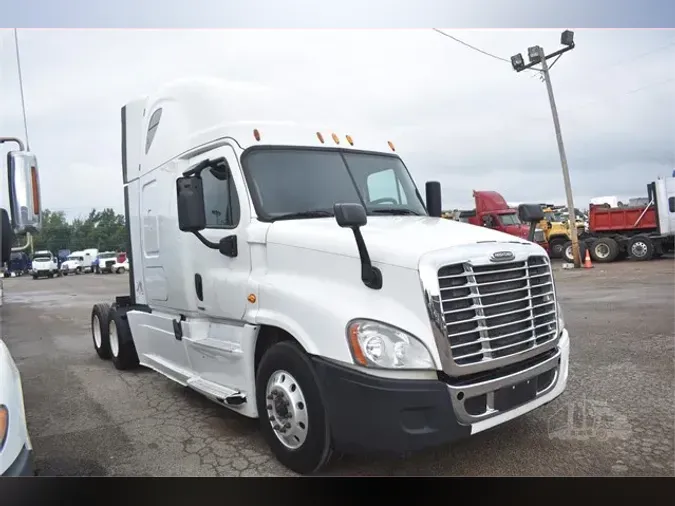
<point>556,230</point>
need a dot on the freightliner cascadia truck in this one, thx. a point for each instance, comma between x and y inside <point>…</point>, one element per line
<point>295,274</point>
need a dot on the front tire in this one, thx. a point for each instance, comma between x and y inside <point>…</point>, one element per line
<point>100,316</point>
<point>293,419</point>
<point>640,248</point>
<point>122,348</point>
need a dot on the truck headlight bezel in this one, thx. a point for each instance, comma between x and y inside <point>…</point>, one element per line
<point>378,345</point>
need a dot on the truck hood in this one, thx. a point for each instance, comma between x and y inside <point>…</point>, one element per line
<point>394,240</point>
<point>71,264</point>
<point>41,263</point>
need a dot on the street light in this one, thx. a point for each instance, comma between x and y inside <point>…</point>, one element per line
<point>537,55</point>
<point>567,38</point>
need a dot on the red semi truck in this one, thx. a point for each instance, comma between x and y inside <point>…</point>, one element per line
<point>640,233</point>
<point>492,211</point>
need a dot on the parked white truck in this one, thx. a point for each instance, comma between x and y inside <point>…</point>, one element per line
<point>44,264</point>
<point>298,277</point>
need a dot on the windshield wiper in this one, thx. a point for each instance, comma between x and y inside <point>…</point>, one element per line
<point>304,214</point>
<point>395,212</point>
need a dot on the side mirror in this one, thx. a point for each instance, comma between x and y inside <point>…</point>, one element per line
<point>530,213</point>
<point>434,204</point>
<point>350,215</point>
<point>190,198</point>
<point>24,191</point>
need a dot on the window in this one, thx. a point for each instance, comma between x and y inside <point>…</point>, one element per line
<point>385,187</point>
<point>509,219</point>
<point>671,204</point>
<point>221,202</point>
<point>152,128</point>
<point>296,180</point>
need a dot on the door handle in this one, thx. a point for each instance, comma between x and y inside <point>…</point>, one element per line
<point>199,288</point>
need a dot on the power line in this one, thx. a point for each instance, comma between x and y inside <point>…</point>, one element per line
<point>23,101</point>
<point>471,47</point>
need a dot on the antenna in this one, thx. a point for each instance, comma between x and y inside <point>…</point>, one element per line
<point>23,101</point>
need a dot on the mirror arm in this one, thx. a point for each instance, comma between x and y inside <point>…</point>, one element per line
<point>533,228</point>
<point>13,139</point>
<point>204,164</point>
<point>29,243</point>
<point>205,241</point>
<point>370,275</point>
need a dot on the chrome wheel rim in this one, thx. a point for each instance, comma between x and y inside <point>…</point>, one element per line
<point>602,251</point>
<point>287,410</point>
<point>638,249</point>
<point>96,327</point>
<point>114,340</point>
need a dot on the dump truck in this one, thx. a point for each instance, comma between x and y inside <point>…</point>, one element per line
<point>639,233</point>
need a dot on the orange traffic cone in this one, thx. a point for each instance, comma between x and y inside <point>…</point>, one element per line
<point>587,261</point>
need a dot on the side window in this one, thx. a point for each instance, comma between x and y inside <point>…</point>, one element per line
<point>385,186</point>
<point>152,128</point>
<point>221,202</point>
<point>671,204</point>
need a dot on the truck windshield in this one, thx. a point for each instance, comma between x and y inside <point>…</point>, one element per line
<point>305,183</point>
<point>509,219</point>
<point>42,258</point>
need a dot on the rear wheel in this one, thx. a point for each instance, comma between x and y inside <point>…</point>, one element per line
<point>605,250</point>
<point>122,349</point>
<point>100,315</point>
<point>640,248</point>
<point>557,245</point>
<point>293,418</point>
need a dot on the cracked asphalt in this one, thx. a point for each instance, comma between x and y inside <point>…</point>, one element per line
<point>617,416</point>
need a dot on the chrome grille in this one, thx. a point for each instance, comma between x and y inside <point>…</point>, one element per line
<point>497,310</point>
<point>539,236</point>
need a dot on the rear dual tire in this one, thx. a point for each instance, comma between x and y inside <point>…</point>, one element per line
<point>112,337</point>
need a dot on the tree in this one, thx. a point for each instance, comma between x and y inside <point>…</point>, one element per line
<point>104,230</point>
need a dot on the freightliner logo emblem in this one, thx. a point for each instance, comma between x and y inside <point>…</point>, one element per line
<point>502,256</point>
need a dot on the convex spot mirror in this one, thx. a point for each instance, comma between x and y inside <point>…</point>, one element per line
<point>24,192</point>
<point>530,213</point>
<point>190,195</point>
<point>350,215</point>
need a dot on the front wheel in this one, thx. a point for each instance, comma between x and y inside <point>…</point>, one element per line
<point>640,248</point>
<point>293,419</point>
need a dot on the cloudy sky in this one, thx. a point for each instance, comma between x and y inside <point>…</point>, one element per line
<point>455,115</point>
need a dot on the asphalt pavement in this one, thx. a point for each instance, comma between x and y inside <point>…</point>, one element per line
<point>616,417</point>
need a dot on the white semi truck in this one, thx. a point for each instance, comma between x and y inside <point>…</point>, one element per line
<point>298,277</point>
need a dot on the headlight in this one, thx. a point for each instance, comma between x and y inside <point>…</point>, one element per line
<point>378,345</point>
<point>561,318</point>
<point>4,424</point>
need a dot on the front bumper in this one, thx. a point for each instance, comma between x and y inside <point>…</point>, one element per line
<point>23,465</point>
<point>369,413</point>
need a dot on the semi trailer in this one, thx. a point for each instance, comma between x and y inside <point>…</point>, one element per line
<point>639,233</point>
<point>297,276</point>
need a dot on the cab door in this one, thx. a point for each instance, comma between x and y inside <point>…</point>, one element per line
<point>221,281</point>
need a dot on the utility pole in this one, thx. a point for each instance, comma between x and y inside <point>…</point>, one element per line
<point>537,55</point>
